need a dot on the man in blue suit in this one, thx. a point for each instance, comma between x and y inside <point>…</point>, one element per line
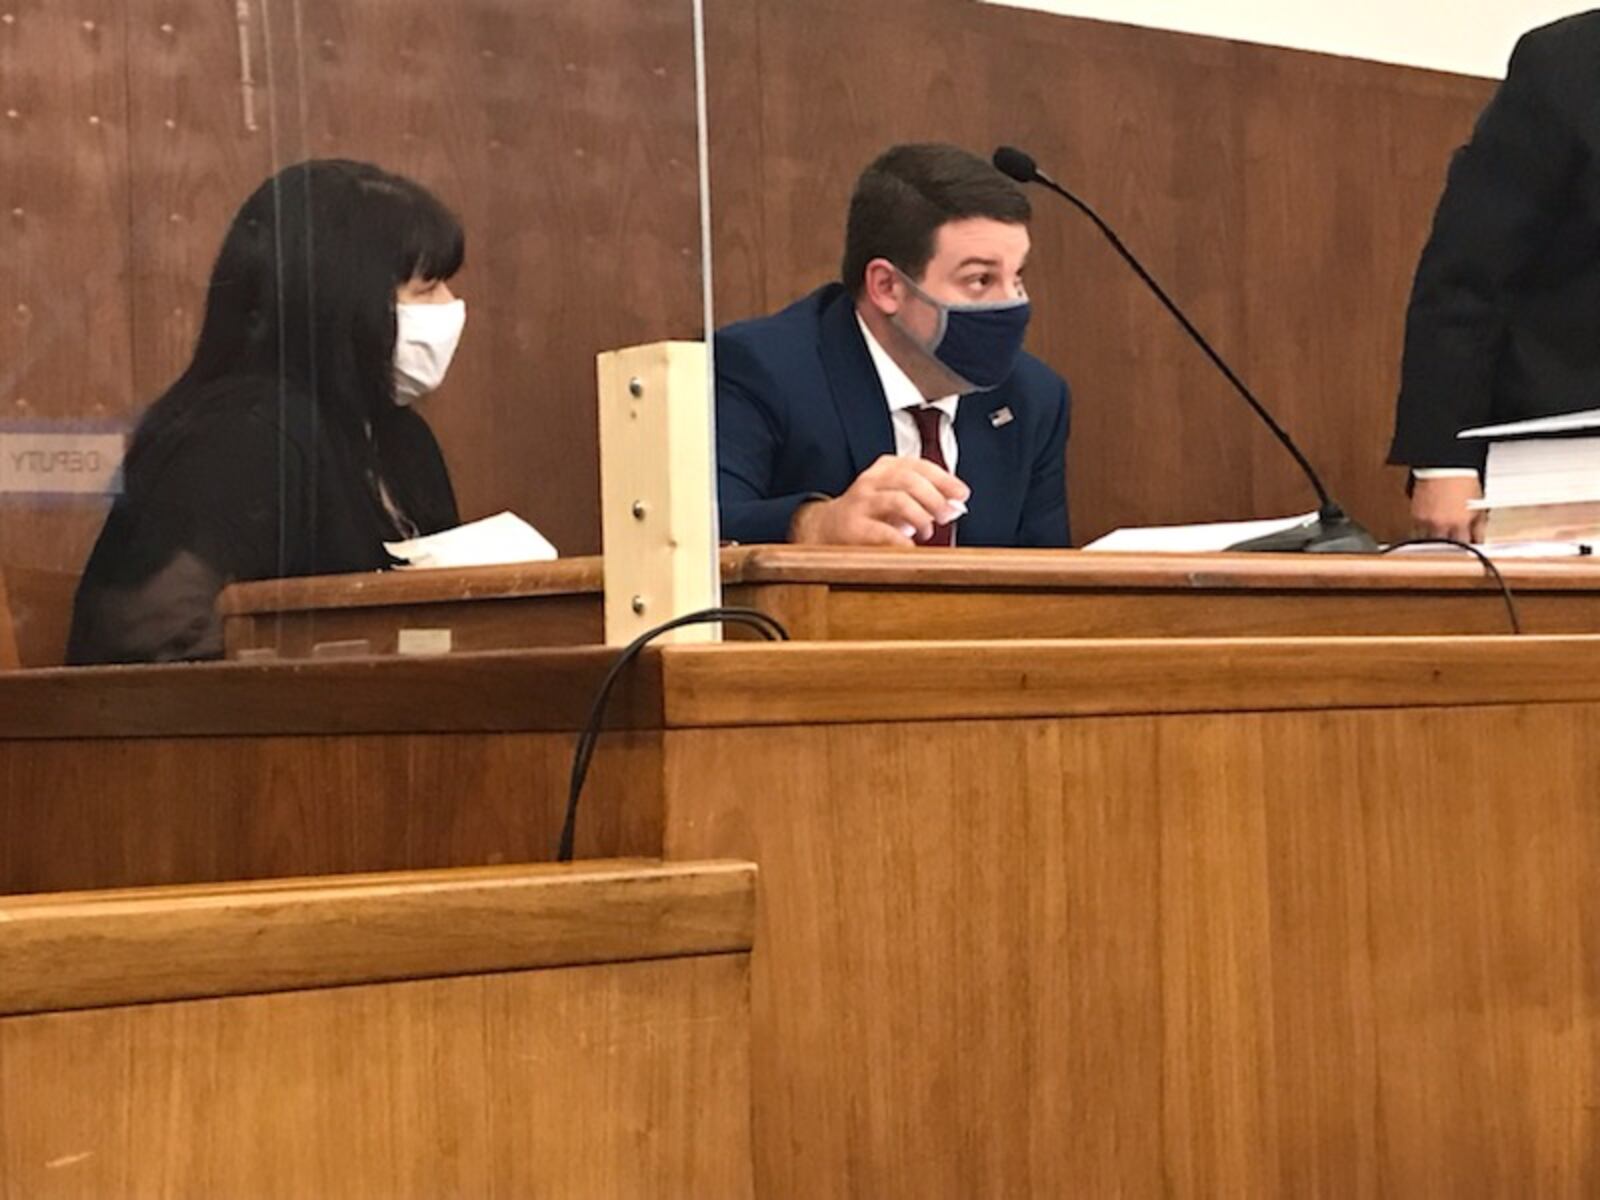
<point>898,407</point>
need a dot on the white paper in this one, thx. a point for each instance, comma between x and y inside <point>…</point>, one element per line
<point>1565,423</point>
<point>502,538</point>
<point>1507,549</point>
<point>1188,539</point>
<point>1548,470</point>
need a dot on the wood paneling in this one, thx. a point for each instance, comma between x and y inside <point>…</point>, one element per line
<point>65,347</point>
<point>112,812</point>
<point>1264,917</point>
<point>569,576</point>
<point>35,614</point>
<point>1282,197</point>
<point>404,764</point>
<point>849,682</point>
<point>482,608</point>
<point>538,691</point>
<point>189,942</point>
<point>199,141</point>
<point>1327,953</point>
<point>870,615</point>
<point>629,1080</point>
<point>9,657</point>
<point>466,627</point>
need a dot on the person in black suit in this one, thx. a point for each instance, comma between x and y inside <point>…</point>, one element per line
<point>1504,321</point>
<point>878,410</point>
<point>288,445</point>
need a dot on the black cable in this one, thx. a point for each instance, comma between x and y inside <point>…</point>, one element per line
<point>1488,563</point>
<point>769,627</point>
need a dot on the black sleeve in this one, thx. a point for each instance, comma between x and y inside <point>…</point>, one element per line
<point>225,503</point>
<point>1503,197</point>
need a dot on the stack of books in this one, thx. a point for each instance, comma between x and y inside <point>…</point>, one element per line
<point>1542,479</point>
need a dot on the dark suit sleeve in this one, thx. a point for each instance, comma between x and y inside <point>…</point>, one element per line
<point>750,434</point>
<point>1044,514</point>
<point>1501,201</point>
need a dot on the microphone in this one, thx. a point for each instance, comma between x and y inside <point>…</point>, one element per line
<point>1332,531</point>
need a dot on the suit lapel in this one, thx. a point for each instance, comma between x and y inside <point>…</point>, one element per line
<point>857,391</point>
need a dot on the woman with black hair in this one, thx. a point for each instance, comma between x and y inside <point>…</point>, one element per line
<point>288,447</point>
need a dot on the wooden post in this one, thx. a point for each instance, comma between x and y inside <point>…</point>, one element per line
<point>657,490</point>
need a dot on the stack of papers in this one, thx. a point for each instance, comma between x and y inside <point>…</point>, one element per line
<point>493,541</point>
<point>1542,479</point>
<point>1194,539</point>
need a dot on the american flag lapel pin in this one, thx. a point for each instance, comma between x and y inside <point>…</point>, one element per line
<point>1000,417</point>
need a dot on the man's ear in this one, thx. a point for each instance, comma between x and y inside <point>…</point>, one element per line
<point>882,287</point>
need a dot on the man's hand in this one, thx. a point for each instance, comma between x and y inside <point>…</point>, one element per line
<point>892,495</point>
<point>1439,508</point>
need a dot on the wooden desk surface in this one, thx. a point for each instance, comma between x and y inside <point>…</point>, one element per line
<point>1038,570</point>
<point>195,940</point>
<point>850,594</point>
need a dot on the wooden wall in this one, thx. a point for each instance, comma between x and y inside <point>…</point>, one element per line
<point>1282,196</point>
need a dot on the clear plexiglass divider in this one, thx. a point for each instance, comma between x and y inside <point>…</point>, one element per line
<point>290,282</point>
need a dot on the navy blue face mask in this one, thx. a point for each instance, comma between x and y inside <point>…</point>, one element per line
<point>977,343</point>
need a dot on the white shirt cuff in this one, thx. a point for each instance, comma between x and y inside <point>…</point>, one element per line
<point>1444,472</point>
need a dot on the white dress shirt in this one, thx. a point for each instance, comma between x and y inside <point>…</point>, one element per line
<point>903,396</point>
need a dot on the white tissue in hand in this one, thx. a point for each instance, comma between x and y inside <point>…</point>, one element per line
<point>954,511</point>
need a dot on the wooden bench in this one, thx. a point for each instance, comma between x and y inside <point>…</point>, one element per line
<point>553,1031</point>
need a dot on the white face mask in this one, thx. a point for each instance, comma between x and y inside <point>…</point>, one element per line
<point>426,337</point>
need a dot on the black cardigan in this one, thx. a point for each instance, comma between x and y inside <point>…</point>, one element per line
<point>245,482</point>
<point>1504,322</point>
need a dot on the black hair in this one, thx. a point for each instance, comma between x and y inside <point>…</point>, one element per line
<point>303,293</point>
<point>908,192</point>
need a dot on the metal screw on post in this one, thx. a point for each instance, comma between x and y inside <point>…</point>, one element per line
<point>638,605</point>
<point>636,388</point>
<point>639,510</point>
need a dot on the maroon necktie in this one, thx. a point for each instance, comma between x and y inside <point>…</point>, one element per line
<point>927,419</point>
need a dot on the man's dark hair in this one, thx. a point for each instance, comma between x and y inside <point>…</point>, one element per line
<point>908,192</point>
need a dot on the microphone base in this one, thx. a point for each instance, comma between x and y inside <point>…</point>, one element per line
<point>1331,533</point>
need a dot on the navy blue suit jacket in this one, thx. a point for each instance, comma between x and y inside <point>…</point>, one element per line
<point>800,410</point>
